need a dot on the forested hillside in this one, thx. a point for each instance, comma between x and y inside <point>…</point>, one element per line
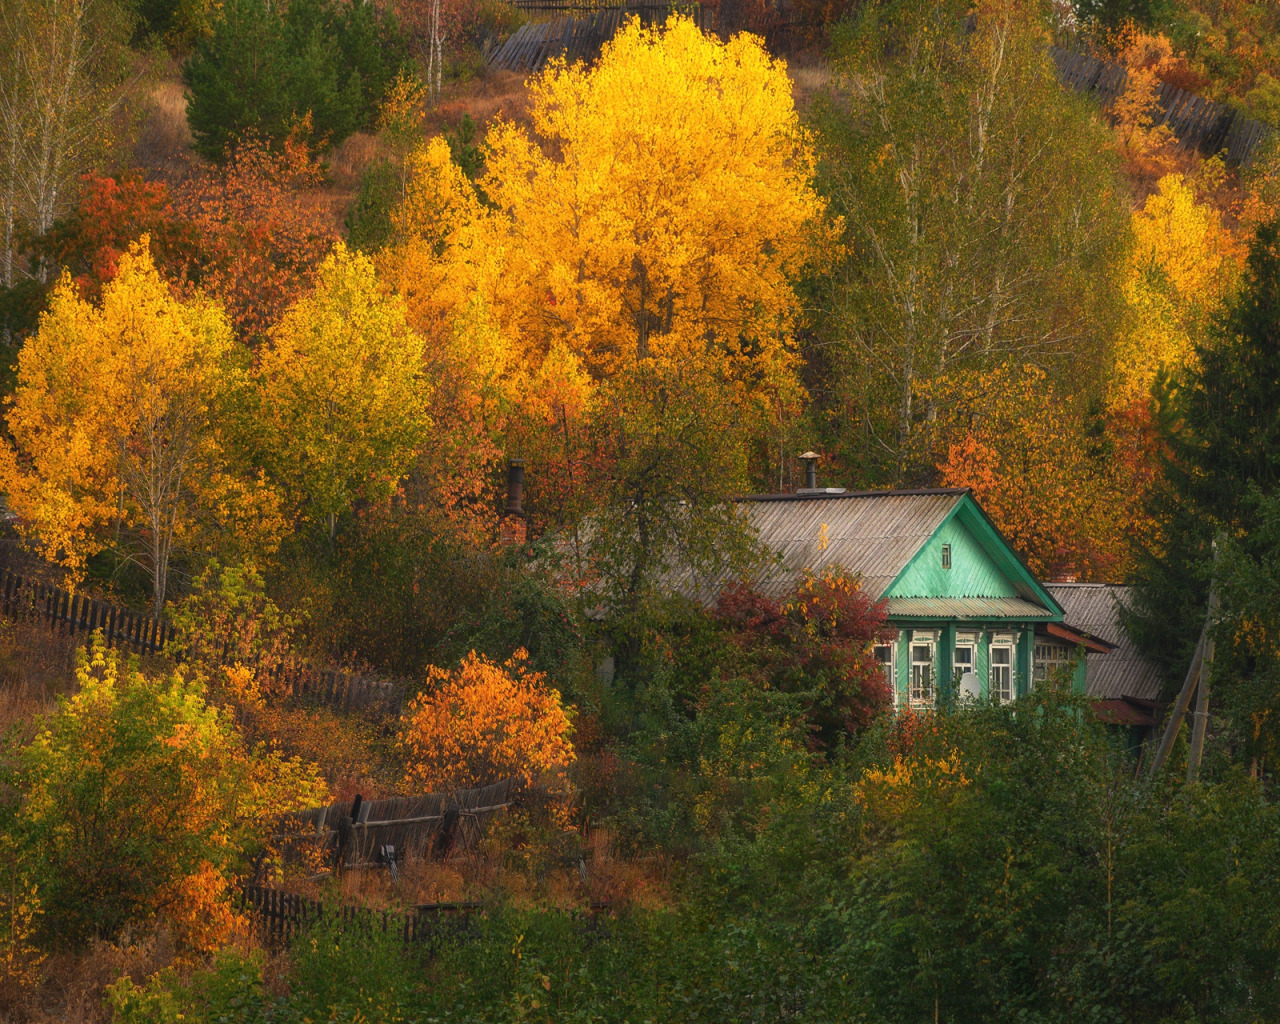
<point>385,630</point>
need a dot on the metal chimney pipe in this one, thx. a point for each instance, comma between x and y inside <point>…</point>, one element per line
<point>515,487</point>
<point>810,460</point>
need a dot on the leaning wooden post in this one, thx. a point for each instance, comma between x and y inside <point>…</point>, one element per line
<point>1200,720</point>
<point>1195,672</point>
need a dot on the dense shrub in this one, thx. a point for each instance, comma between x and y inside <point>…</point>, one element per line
<point>137,799</point>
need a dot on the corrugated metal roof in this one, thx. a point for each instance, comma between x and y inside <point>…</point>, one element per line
<point>967,608</point>
<point>872,533</point>
<point>1095,608</point>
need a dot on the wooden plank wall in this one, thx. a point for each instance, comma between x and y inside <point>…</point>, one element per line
<point>1196,122</point>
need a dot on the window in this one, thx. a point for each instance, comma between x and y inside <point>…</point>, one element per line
<point>964,662</point>
<point>1050,658</point>
<point>1000,686</point>
<point>884,658</point>
<point>922,674</point>
<point>946,556</point>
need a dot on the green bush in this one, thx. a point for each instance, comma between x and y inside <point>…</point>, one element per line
<point>368,221</point>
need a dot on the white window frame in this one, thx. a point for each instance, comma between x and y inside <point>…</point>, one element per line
<point>966,642</point>
<point>1002,643</point>
<point>890,667</point>
<point>930,641</point>
<point>1043,665</point>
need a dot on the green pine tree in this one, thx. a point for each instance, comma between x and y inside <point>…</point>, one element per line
<point>1221,426</point>
<point>262,73</point>
<point>235,82</point>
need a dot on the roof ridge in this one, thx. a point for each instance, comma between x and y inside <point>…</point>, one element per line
<point>908,492</point>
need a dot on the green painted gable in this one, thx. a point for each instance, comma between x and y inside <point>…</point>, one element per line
<point>973,572</point>
<point>982,565</point>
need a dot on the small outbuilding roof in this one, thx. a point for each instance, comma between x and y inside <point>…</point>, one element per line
<point>1123,672</point>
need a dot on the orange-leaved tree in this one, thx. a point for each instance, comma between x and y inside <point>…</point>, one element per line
<point>1056,485</point>
<point>260,231</point>
<point>140,800</point>
<point>484,722</point>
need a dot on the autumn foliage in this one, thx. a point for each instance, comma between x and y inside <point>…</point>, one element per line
<point>483,722</point>
<point>818,641</point>
<point>141,801</point>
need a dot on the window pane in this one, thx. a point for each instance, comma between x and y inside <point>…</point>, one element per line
<point>1000,681</point>
<point>921,674</point>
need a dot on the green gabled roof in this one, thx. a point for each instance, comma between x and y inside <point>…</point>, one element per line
<point>988,579</point>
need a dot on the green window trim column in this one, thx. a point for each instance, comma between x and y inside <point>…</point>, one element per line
<point>1026,653</point>
<point>944,659</point>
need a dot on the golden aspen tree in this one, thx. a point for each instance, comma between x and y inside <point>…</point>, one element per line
<point>669,222</point>
<point>1181,267</point>
<point>112,422</point>
<point>343,393</point>
<point>644,235</point>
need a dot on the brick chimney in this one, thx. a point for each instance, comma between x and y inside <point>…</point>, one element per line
<point>515,526</point>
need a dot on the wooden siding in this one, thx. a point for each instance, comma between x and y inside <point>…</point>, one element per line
<point>973,573</point>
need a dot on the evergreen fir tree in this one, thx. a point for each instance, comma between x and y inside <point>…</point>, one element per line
<point>262,73</point>
<point>235,82</point>
<point>1221,427</point>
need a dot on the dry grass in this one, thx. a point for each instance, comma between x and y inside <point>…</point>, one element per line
<point>348,161</point>
<point>494,94</point>
<point>164,141</point>
<point>810,77</point>
<point>35,663</point>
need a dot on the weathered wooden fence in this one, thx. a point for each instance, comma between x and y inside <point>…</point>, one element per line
<point>30,600</point>
<point>416,827</point>
<point>582,29</point>
<point>1196,122</point>
<point>283,916</point>
<point>26,598</point>
<point>577,37</point>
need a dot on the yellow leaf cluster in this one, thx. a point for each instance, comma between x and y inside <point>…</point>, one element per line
<point>103,392</point>
<point>887,793</point>
<point>344,397</point>
<point>484,722</point>
<point>660,209</point>
<point>1181,265</point>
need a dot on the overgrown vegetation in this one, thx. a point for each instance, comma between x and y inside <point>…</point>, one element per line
<point>269,385</point>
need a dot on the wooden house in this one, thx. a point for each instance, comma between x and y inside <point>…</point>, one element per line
<point>970,616</point>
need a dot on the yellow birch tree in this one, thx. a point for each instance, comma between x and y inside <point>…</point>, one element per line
<point>112,422</point>
<point>343,393</point>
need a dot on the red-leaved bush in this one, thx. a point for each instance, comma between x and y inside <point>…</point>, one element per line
<point>819,643</point>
